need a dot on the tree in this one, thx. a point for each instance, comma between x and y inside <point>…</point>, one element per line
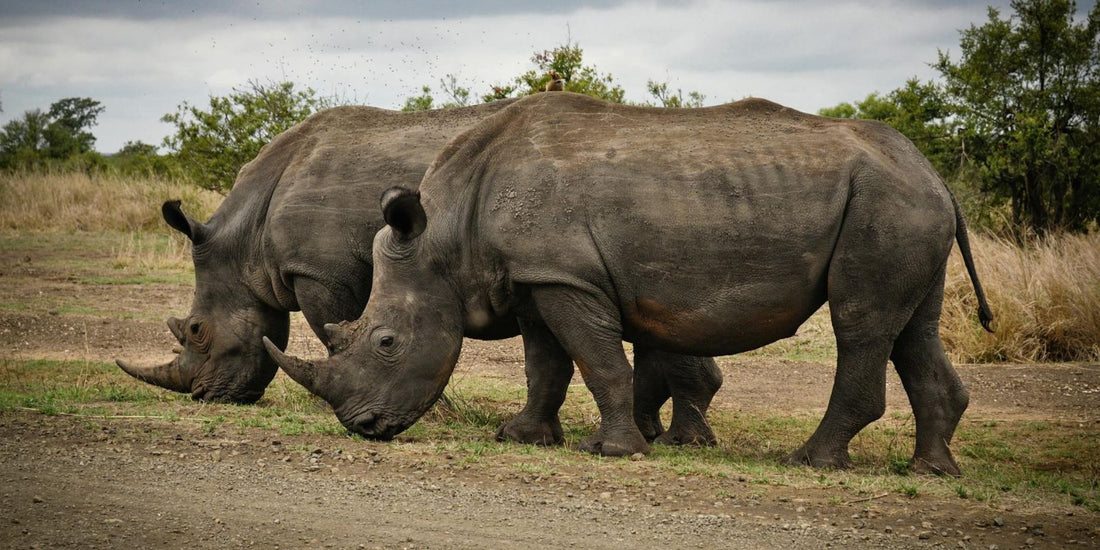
<point>421,102</point>
<point>212,146</point>
<point>920,112</point>
<point>660,92</point>
<point>137,158</point>
<point>459,96</point>
<point>567,60</point>
<point>1025,93</point>
<point>23,140</point>
<point>59,136</point>
<point>67,133</point>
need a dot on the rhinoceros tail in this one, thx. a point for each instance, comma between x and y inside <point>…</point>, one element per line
<point>985,316</point>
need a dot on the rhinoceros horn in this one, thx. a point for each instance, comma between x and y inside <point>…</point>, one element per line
<point>169,376</point>
<point>338,336</point>
<point>303,372</point>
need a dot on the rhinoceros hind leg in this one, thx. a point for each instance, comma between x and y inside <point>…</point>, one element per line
<point>549,370</point>
<point>692,382</point>
<point>651,391</point>
<point>935,392</point>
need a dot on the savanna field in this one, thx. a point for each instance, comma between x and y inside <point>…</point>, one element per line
<point>89,272</point>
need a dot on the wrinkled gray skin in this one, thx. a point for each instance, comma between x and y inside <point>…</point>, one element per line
<point>697,231</point>
<point>295,233</point>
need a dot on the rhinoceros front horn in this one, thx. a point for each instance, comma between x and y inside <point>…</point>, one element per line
<point>303,372</point>
<point>169,376</point>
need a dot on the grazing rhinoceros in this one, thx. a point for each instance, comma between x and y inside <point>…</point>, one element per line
<point>296,233</point>
<point>698,231</point>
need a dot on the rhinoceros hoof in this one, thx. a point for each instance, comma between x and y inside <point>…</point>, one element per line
<point>939,467</point>
<point>835,460</point>
<point>622,446</point>
<point>696,438</point>
<point>534,433</point>
<point>651,428</point>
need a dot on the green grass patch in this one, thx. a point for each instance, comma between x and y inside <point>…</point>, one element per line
<point>1005,461</point>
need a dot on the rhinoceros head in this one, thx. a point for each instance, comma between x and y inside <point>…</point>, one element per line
<point>389,366</point>
<point>222,356</point>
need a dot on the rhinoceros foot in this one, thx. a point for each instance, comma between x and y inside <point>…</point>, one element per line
<point>695,434</point>
<point>836,459</point>
<point>617,444</point>
<point>532,431</point>
<point>935,465</point>
<point>649,425</point>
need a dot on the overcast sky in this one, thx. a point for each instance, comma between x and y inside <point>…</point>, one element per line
<point>141,59</point>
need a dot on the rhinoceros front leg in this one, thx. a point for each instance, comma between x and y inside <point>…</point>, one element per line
<point>690,381</point>
<point>549,370</point>
<point>589,329</point>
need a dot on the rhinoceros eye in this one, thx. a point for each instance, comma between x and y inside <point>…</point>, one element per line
<point>386,341</point>
<point>200,336</point>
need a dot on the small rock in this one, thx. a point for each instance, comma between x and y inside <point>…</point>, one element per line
<point>37,500</point>
<point>605,496</point>
<point>888,530</point>
<point>999,521</point>
<point>637,456</point>
<point>924,535</point>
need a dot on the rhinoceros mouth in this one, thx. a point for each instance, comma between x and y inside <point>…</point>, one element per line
<point>211,395</point>
<point>375,425</point>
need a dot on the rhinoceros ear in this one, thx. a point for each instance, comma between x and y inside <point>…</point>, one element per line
<point>181,222</point>
<point>403,212</point>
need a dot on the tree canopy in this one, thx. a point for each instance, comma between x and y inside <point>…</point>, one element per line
<point>1016,116</point>
<point>212,145</point>
<point>59,135</point>
<point>1025,94</point>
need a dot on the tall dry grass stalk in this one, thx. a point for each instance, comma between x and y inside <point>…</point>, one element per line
<point>149,251</point>
<point>1045,298</point>
<point>75,201</point>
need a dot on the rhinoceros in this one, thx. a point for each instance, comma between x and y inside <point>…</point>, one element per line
<point>704,232</point>
<point>296,232</point>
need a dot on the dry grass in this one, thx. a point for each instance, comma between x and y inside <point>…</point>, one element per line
<point>1045,298</point>
<point>147,251</point>
<point>75,201</point>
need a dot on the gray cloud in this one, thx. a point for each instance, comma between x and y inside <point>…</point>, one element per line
<point>143,59</point>
<point>397,10</point>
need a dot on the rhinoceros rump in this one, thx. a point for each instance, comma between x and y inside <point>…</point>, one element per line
<point>296,232</point>
<point>697,231</point>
